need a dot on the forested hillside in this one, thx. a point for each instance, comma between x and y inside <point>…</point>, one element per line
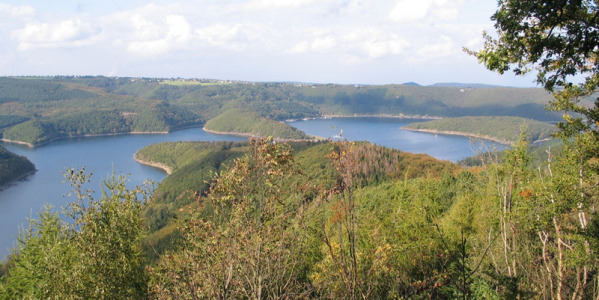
<point>237,121</point>
<point>193,164</point>
<point>37,110</point>
<point>504,129</point>
<point>321,220</point>
<point>13,166</point>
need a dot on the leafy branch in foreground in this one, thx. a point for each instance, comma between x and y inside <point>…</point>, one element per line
<point>556,39</point>
<point>98,256</point>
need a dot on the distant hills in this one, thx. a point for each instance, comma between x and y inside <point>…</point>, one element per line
<point>456,84</point>
<point>38,110</point>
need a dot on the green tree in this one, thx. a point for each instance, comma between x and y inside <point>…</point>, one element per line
<point>109,259</point>
<point>244,240</point>
<point>43,254</point>
<point>98,256</point>
<point>558,40</point>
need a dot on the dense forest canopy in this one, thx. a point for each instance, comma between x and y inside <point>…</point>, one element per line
<point>251,124</point>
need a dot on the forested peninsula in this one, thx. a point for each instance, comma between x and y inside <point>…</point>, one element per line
<point>38,110</point>
<point>238,122</point>
<point>505,130</point>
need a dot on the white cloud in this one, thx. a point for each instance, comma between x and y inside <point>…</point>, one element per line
<point>299,48</point>
<point>174,32</point>
<point>277,4</point>
<point>68,33</point>
<point>221,35</point>
<point>17,11</point>
<point>376,43</point>
<point>361,45</point>
<point>324,44</point>
<point>311,36</point>
<point>236,37</point>
<point>442,48</point>
<point>407,11</point>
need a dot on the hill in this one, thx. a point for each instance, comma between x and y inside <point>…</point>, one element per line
<point>240,122</point>
<point>464,85</point>
<point>37,110</point>
<point>321,220</point>
<point>193,165</point>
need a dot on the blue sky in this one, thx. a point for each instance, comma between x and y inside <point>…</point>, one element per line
<point>320,41</point>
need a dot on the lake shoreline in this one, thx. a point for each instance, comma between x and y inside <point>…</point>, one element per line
<point>460,133</point>
<point>157,165</point>
<point>398,116</point>
<point>249,135</point>
<point>30,145</point>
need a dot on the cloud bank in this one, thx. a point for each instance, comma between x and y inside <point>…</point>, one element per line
<point>301,40</point>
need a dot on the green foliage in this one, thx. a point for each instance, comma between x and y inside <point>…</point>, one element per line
<point>36,90</point>
<point>38,270</point>
<point>32,132</point>
<point>239,250</point>
<point>311,220</point>
<point>9,120</point>
<point>193,165</point>
<point>161,118</point>
<point>501,128</point>
<point>557,40</point>
<point>237,121</point>
<point>325,220</point>
<point>98,256</point>
<point>13,166</point>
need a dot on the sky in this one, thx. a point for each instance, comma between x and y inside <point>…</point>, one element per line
<point>313,41</point>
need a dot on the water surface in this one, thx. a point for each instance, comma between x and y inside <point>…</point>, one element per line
<point>387,132</point>
<point>102,155</point>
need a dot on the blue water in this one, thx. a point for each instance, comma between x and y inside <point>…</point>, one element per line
<point>387,132</point>
<point>103,155</point>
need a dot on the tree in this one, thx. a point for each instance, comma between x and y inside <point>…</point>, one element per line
<point>558,40</point>
<point>98,256</point>
<point>244,240</point>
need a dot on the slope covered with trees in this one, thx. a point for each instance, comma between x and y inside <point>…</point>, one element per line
<point>65,106</point>
<point>503,129</point>
<point>236,121</point>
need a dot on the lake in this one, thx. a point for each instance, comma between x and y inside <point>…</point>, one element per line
<point>107,154</point>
